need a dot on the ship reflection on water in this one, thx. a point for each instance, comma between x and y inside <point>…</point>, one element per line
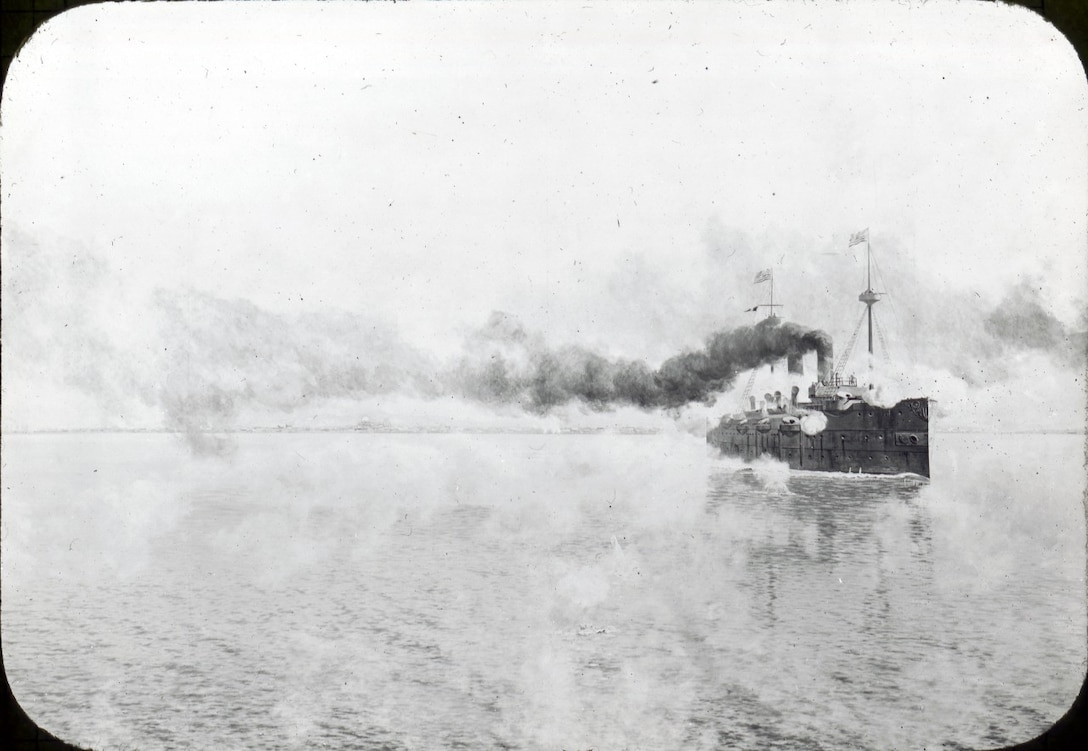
<point>825,526</point>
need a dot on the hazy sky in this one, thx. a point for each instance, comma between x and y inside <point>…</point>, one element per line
<point>609,175</point>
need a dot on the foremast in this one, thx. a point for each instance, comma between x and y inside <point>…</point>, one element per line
<point>766,275</point>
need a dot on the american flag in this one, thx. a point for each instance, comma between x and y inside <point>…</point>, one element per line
<point>763,276</point>
<point>859,237</point>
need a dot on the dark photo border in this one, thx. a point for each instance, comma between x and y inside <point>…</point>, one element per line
<point>19,19</point>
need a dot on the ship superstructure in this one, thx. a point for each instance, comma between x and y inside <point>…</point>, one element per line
<point>839,428</point>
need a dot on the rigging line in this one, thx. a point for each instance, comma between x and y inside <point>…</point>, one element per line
<point>748,388</point>
<point>845,356</point>
<point>883,279</point>
<point>889,298</point>
<point>883,342</point>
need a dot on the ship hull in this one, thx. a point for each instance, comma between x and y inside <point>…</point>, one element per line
<point>861,438</point>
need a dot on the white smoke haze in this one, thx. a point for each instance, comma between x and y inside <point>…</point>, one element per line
<point>102,355</point>
<point>647,545</point>
<point>772,474</point>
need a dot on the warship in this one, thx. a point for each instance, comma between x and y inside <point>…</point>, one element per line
<point>839,428</point>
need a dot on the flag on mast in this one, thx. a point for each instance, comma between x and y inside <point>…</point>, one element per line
<point>859,237</point>
<point>763,276</point>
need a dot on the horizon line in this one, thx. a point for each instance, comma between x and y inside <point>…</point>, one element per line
<point>626,429</point>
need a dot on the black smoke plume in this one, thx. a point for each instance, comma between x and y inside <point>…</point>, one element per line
<point>509,365</point>
<point>694,376</point>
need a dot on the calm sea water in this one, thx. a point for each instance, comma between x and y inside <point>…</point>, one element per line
<point>537,592</point>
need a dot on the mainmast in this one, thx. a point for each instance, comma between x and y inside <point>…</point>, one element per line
<point>868,297</point>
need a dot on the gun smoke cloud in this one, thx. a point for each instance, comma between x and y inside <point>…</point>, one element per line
<point>1020,322</point>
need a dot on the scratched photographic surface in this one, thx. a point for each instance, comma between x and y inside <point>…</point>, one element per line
<point>425,377</point>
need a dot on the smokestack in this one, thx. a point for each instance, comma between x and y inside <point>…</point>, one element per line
<point>795,365</point>
<point>823,360</point>
<point>752,402</point>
